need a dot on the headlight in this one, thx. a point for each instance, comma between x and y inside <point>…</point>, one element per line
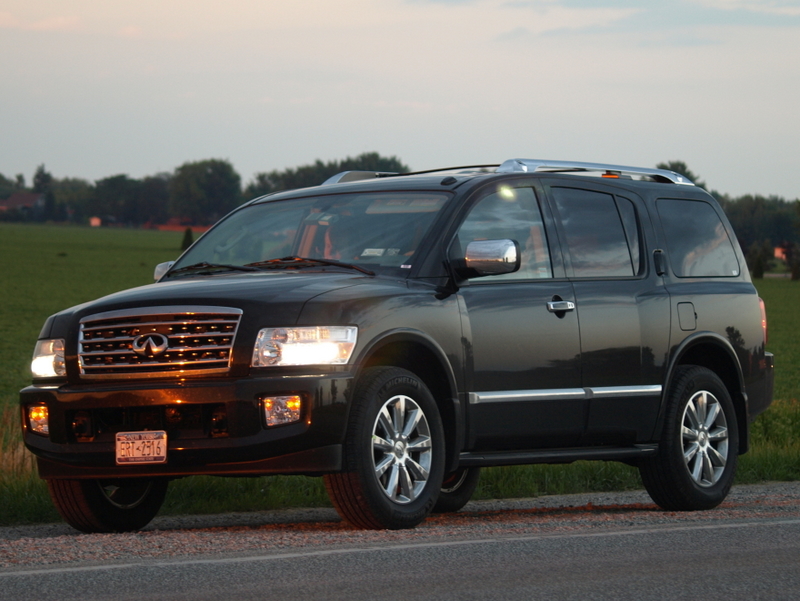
<point>48,359</point>
<point>304,346</point>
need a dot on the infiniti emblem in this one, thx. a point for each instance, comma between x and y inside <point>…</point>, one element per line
<point>150,345</point>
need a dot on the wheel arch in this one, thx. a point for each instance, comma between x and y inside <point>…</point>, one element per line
<point>418,353</point>
<point>712,351</point>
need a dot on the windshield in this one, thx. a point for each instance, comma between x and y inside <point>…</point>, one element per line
<point>375,231</point>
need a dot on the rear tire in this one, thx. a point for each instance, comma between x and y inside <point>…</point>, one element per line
<point>457,489</point>
<point>394,453</point>
<point>115,505</point>
<point>698,452</point>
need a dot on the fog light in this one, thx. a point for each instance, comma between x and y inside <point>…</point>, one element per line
<point>38,419</point>
<point>281,409</point>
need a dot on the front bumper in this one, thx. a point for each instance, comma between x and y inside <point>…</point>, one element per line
<point>238,443</point>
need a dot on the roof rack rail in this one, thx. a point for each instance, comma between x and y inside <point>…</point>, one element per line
<point>462,168</point>
<point>354,176</point>
<point>531,165</point>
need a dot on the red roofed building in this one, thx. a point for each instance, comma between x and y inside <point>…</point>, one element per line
<point>22,201</point>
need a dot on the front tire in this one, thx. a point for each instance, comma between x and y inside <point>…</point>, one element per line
<point>120,505</point>
<point>698,452</point>
<point>394,453</point>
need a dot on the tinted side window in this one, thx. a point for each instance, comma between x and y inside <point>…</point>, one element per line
<point>628,214</point>
<point>511,213</point>
<point>594,233</point>
<point>696,239</point>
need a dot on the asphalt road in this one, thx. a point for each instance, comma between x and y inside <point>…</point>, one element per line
<point>607,546</point>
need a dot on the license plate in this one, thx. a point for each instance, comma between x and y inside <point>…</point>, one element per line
<point>141,447</point>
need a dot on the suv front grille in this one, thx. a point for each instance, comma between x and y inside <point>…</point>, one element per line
<point>157,342</point>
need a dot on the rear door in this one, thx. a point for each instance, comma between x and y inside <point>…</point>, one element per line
<point>622,307</point>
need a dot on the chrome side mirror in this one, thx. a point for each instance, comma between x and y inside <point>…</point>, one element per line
<point>491,257</point>
<point>161,269</point>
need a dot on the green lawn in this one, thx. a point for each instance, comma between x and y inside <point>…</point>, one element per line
<point>48,268</point>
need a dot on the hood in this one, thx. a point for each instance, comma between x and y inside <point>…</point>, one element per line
<point>282,294</point>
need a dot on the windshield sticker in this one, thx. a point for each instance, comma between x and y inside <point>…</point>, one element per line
<point>373,252</point>
<point>416,203</point>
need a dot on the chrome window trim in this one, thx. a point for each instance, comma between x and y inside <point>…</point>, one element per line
<point>555,394</point>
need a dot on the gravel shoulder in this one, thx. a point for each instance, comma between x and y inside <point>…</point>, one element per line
<point>294,530</point>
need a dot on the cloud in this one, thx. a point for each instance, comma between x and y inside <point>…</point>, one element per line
<point>682,13</point>
<point>785,8</point>
<point>61,23</point>
<point>441,1</point>
<point>551,17</point>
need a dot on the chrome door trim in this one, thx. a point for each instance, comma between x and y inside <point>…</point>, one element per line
<point>625,391</point>
<point>566,394</point>
<point>508,396</point>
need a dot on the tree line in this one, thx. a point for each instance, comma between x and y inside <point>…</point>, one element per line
<point>196,193</point>
<point>200,192</point>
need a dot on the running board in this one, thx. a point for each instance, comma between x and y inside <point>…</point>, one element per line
<point>624,454</point>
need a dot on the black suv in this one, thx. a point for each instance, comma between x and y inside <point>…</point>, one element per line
<point>395,333</point>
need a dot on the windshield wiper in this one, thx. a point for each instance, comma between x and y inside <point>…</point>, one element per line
<point>205,267</point>
<point>298,262</point>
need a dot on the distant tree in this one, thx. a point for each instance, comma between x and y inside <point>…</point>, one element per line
<point>317,172</point>
<point>43,184</point>
<point>116,198</point>
<point>791,252</point>
<point>188,238</point>
<point>204,191</point>
<point>20,182</point>
<point>757,218</point>
<point>7,187</point>
<point>73,196</point>
<point>42,180</point>
<point>154,198</point>
<point>681,168</point>
<point>759,257</point>
<point>797,215</point>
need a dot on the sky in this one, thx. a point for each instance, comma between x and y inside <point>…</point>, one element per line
<point>95,88</point>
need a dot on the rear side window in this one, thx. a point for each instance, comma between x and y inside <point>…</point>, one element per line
<point>697,241</point>
<point>595,236</point>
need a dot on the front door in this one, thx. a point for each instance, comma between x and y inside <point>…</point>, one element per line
<point>523,351</point>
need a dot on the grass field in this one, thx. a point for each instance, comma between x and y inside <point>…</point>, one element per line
<point>49,268</point>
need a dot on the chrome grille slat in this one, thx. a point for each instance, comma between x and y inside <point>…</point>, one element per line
<point>112,326</point>
<point>172,350</point>
<point>161,365</point>
<point>199,341</point>
<point>129,339</point>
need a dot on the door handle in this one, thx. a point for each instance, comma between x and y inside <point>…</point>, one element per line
<point>560,306</point>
